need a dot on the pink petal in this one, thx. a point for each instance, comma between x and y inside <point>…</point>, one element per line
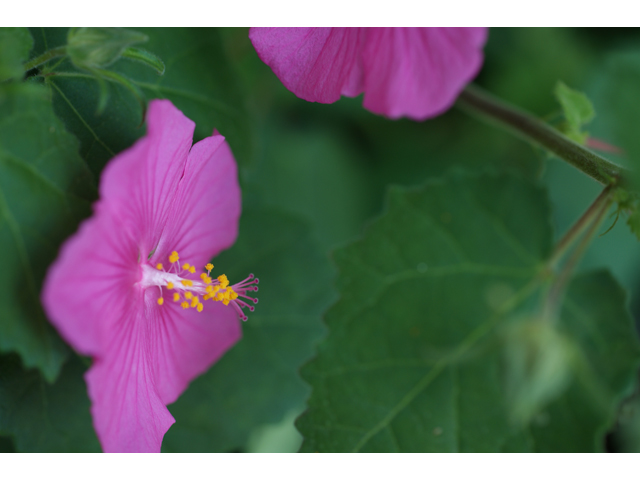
<point>139,185</point>
<point>317,64</point>
<point>128,415</point>
<point>206,210</point>
<point>185,343</point>
<point>88,287</point>
<point>419,72</point>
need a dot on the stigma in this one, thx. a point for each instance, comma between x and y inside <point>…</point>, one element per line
<point>180,285</point>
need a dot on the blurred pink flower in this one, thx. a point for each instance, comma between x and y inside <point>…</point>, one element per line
<point>413,72</point>
<point>111,297</point>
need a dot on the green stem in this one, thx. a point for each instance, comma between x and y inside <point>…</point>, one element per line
<point>535,131</point>
<point>45,57</point>
<point>594,220</point>
<point>578,227</point>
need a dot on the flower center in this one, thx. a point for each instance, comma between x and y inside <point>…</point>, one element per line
<point>189,291</point>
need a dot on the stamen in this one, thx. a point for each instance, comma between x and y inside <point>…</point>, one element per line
<point>189,291</point>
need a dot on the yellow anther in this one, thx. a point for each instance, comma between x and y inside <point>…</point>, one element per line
<point>176,297</point>
<point>224,281</point>
<point>207,280</point>
<point>169,285</point>
<point>192,269</point>
<point>184,304</point>
<point>203,276</point>
<point>209,289</point>
<point>209,267</point>
<point>174,257</point>
<point>159,266</point>
<point>200,307</point>
<point>188,295</point>
<point>206,297</point>
<point>226,301</point>
<point>186,266</point>
<point>194,301</point>
<point>186,283</point>
<point>160,301</point>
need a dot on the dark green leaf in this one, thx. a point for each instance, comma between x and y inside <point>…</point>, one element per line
<point>15,44</point>
<point>45,189</point>
<point>42,417</point>
<point>414,360</point>
<point>257,381</point>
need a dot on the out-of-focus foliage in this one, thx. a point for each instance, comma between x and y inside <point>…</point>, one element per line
<point>314,176</point>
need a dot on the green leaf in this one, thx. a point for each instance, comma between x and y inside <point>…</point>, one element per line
<point>42,417</point>
<point>15,45</point>
<point>576,106</point>
<point>45,189</point>
<point>257,381</point>
<point>415,357</point>
<point>147,58</point>
<point>199,80</point>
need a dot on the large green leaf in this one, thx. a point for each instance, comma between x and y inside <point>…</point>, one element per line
<point>257,381</point>
<point>45,190</point>
<point>198,80</point>
<point>415,357</point>
<point>42,417</point>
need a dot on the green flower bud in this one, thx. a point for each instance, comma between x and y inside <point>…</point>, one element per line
<point>99,47</point>
<point>538,362</point>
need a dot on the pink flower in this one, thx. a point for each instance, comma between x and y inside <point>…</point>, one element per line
<point>413,72</point>
<point>121,293</point>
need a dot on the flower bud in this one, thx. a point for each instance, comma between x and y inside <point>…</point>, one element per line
<point>99,47</point>
<point>537,367</point>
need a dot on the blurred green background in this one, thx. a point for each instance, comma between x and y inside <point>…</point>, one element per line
<point>321,172</point>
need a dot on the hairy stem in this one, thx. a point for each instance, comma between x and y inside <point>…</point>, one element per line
<point>539,133</point>
<point>45,57</point>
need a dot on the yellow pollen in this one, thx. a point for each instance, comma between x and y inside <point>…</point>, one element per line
<point>159,266</point>
<point>200,307</point>
<point>226,301</point>
<point>224,281</point>
<point>173,258</point>
<point>184,304</point>
<point>188,295</point>
<point>209,289</point>
<point>186,283</point>
<point>209,267</point>
<point>194,301</point>
<point>160,301</point>
<point>204,276</point>
<point>206,297</point>
<point>169,285</point>
<point>186,266</point>
<point>192,269</point>
<point>176,297</point>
